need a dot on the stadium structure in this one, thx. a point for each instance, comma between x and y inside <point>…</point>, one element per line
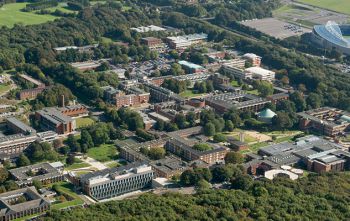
<point>333,36</point>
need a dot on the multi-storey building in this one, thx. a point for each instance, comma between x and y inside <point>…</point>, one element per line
<point>13,145</point>
<point>253,58</point>
<point>183,147</point>
<point>45,172</point>
<point>252,73</point>
<point>183,42</point>
<point>53,119</point>
<point>329,121</point>
<point>239,101</point>
<point>152,43</point>
<point>113,182</point>
<point>22,202</point>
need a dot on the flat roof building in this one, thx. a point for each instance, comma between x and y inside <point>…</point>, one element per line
<point>329,121</point>
<point>113,182</point>
<point>239,101</point>
<point>45,172</point>
<point>22,202</point>
<point>185,41</point>
<point>53,119</point>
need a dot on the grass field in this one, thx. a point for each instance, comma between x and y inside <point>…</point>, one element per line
<point>11,14</point>
<point>103,153</point>
<point>189,94</point>
<point>77,166</point>
<point>342,6</point>
<point>4,88</point>
<point>84,122</point>
<point>67,188</point>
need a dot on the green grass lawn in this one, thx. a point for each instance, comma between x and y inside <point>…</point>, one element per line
<point>84,122</point>
<point>67,188</point>
<point>113,164</point>
<point>103,153</point>
<point>342,6</point>
<point>254,92</point>
<point>189,94</point>
<point>4,87</point>
<point>77,166</point>
<point>234,83</point>
<point>11,14</point>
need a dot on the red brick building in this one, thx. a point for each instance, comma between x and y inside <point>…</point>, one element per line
<point>152,42</point>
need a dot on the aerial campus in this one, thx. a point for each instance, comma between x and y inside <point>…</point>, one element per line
<point>175,110</point>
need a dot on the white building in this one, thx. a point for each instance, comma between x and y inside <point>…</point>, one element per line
<point>185,41</point>
<point>261,74</point>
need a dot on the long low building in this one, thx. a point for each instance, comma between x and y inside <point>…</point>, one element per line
<point>22,202</point>
<point>239,101</point>
<point>45,172</point>
<point>113,182</point>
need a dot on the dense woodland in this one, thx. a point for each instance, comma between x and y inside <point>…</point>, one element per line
<point>316,197</point>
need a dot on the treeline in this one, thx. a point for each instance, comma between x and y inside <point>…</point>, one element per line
<point>40,5</point>
<point>33,44</point>
<point>316,197</point>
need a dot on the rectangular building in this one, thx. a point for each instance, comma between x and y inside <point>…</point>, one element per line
<point>22,202</point>
<point>113,182</point>
<point>239,101</point>
<point>45,172</point>
<point>53,119</point>
<point>326,120</point>
<point>183,42</point>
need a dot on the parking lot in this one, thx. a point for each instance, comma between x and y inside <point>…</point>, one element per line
<point>276,28</point>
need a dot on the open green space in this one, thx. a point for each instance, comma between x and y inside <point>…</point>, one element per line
<point>66,188</point>
<point>4,87</point>
<point>103,153</point>
<point>342,6</point>
<point>254,92</point>
<point>11,14</point>
<point>234,83</point>
<point>113,164</point>
<point>189,94</point>
<point>77,166</point>
<point>84,122</point>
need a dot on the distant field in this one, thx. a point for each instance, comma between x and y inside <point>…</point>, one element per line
<point>342,6</point>
<point>11,14</point>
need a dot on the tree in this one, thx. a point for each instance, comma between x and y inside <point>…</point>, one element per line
<point>23,160</point>
<point>3,174</point>
<point>209,129</point>
<point>234,158</point>
<point>37,184</point>
<point>86,139</point>
<point>282,121</point>
<point>70,159</point>
<point>219,138</point>
<point>187,178</point>
<point>243,182</point>
<point>156,153</point>
<point>229,125</point>
<point>202,147</point>
<point>202,184</point>
<point>265,88</point>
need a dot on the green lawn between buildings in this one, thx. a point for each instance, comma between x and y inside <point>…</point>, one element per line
<point>103,153</point>
<point>342,6</point>
<point>84,122</point>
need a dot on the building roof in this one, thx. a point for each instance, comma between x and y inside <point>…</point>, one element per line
<point>259,71</point>
<point>190,65</point>
<point>267,113</point>
<point>34,200</point>
<point>24,127</point>
<point>54,115</point>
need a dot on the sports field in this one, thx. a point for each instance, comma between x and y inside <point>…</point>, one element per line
<point>11,14</point>
<point>342,6</point>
